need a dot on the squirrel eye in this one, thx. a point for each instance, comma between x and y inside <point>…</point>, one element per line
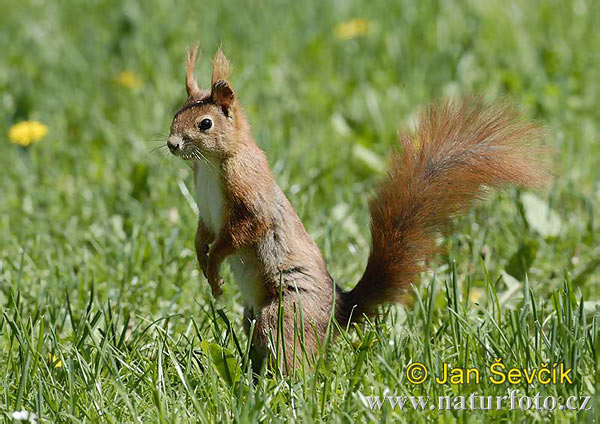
<point>205,124</point>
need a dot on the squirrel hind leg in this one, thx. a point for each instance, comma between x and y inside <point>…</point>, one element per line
<point>297,336</point>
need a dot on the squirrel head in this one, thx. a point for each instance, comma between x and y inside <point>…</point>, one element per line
<point>210,123</point>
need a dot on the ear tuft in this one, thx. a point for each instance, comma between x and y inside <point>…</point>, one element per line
<point>220,67</point>
<point>190,82</point>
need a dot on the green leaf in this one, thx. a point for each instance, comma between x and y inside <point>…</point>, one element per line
<point>223,360</point>
<point>368,159</point>
<point>139,178</point>
<point>586,273</point>
<point>539,215</point>
<point>522,260</point>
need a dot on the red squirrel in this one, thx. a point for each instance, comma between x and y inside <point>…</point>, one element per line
<point>457,151</point>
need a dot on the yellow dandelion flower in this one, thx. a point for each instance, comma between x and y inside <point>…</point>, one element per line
<point>27,132</point>
<point>352,29</point>
<point>476,295</point>
<point>54,361</point>
<point>128,79</point>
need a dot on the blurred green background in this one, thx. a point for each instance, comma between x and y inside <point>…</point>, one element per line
<point>98,204</point>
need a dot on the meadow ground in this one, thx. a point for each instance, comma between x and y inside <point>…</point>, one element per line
<point>103,314</point>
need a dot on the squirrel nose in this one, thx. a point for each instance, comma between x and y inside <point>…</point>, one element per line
<point>174,144</point>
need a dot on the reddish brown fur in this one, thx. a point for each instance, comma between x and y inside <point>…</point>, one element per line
<point>457,151</point>
<point>190,82</point>
<point>220,67</point>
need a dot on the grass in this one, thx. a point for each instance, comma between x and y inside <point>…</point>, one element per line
<point>104,316</point>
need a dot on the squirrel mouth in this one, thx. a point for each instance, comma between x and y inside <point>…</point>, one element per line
<point>190,155</point>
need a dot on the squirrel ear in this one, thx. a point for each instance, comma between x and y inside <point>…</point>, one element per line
<point>222,95</point>
<point>191,85</point>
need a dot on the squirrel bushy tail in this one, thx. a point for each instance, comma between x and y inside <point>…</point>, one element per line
<point>458,151</point>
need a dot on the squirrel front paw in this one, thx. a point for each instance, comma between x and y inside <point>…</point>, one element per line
<point>212,275</point>
<point>216,287</point>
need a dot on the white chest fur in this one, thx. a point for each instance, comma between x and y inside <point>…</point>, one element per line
<point>211,202</point>
<point>209,195</point>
